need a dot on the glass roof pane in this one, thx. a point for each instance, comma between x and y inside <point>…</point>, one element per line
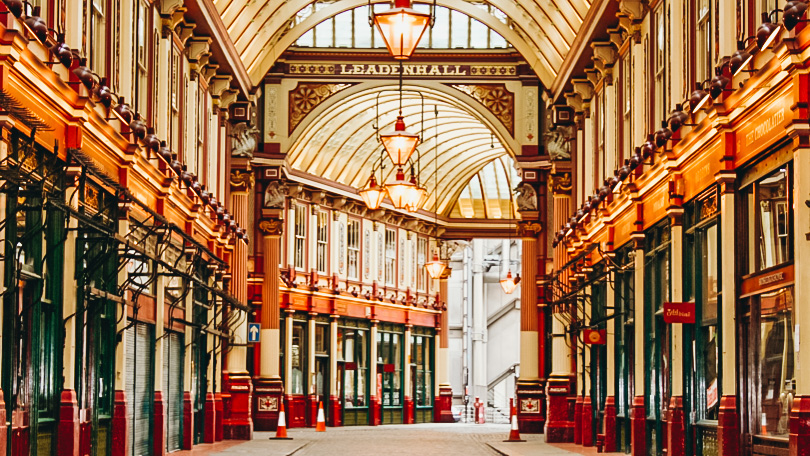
<point>496,40</point>
<point>460,24</point>
<point>343,29</point>
<point>478,35</point>
<point>307,39</point>
<point>323,34</point>
<point>441,29</point>
<point>362,35</point>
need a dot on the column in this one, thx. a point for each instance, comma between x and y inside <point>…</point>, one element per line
<point>188,352</point>
<point>68,407</point>
<point>675,443</point>
<point>334,400</point>
<point>211,417</point>
<point>376,401</point>
<point>638,414</point>
<point>3,427</point>
<point>443,404</point>
<point>159,403</point>
<point>288,331</point>
<point>529,386</point>
<point>800,412</point>
<point>407,386</point>
<point>609,430</point>
<point>120,429</point>
<point>268,387</point>
<point>237,384</point>
<point>728,428</point>
<point>311,398</point>
<point>479,324</point>
<point>587,400</point>
<point>559,427</point>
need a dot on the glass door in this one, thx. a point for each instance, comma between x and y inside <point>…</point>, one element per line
<point>353,384</point>
<point>389,364</point>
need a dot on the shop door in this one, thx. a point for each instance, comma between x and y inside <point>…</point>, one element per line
<point>321,383</point>
<point>199,373</point>
<point>173,389</point>
<point>139,387</point>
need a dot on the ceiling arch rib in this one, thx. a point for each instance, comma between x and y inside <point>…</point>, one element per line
<point>341,145</point>
<point>541,30</point>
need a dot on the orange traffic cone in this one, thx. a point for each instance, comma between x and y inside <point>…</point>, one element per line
<point>281,429</point>
<point>514,434</point>
<point>320,425</point>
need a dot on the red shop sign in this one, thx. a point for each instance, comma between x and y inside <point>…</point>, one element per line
<point>679,312</point>
<point>388,368</point>
<point>595,336</point>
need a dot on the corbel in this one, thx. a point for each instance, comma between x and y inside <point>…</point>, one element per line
<point>226,98</point>
<point>594,75</point>
<point>574,100</point>
<point>171,13</point>
<point>196,47</point>
<point>633,29</point>
<point>218,84</point>
<point>208,71</point>
<point>604,52</point>
<point>185,30</point>
<point>584,88</point>
<point>616,37</point>
<point>632,8</point>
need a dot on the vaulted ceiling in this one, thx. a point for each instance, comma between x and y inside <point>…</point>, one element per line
<point>473,170</point>
<point>543,31</point>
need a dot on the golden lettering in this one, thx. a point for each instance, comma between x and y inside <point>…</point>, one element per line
<point>434,70</point>
<point>459,72</point>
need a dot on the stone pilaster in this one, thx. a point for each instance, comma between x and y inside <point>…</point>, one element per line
<point>443,402</point>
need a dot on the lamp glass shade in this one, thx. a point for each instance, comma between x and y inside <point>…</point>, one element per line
<point>436,267</point>
<point>373,194</point>
<point>400,190</point>
<point>399,143</point>
<point>418,196</point>
<point>401,27</point>
<point>508,283</point>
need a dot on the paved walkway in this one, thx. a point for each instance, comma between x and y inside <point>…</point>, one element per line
<point>392,440</point>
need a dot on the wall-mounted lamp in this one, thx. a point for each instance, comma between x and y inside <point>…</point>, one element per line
<point>794,10</point>
<point>719,82</point>
<point>740,59</point>
<point>767,31</point>
<point>698,98</point>
<point>663,135</point>
<point>678,118</point>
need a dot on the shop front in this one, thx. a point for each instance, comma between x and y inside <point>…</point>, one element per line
<point>353,383</point>
<point>390,374</point>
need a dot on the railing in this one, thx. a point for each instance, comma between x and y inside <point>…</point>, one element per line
<point>706,439</point>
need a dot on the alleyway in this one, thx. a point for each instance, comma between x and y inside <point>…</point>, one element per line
<point>421,439</point>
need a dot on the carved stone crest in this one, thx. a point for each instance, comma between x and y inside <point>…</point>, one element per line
<point>526,197</point>
<point>271,227</point>
<point>243,140</point>
<point>560,183</point>
<point>274,195</point>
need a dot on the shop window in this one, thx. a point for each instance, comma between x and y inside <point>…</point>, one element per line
<point>768,203</point>
<point>298,357</point>
<point>174,101</point>
<point>702,286</point>
<point>353,358</point>
<point>626,107</point>
<point>321,359</point>
<point>322,242</point>
<point>389,357</point>
<point>142,36</point>
<point>300,236</point>
<point>421,257</point>
<point>703,59</point>
<point>624,309</point>
<point>661,40</point>
<point>422,367</point>
<point>390,256</point>
<point>354,249</point>
<point>97,17</point>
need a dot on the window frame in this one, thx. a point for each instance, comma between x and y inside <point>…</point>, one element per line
<point>353,249</point>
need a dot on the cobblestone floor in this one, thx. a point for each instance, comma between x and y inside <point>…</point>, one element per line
<point>393,440</point>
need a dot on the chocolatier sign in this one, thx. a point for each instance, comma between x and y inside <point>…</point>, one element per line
<point>679,312</point>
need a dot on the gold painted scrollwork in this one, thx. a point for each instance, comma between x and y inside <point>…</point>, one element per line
<point>560,183</point>
<point>241,180</point>
<point>271,227</point>
<point>529,229</point>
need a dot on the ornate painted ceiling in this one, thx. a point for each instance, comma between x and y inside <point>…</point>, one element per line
<point>541,30</point>
<point>475,170</point>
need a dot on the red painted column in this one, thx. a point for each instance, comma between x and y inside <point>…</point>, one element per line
<point>312,410</point>
<point>209,408</point>
<point>728,427</point>
<point>268,389</point>
<point>559,427</point>
<point>676,445</point>
<point>610,425</point>
<point>578,420</point>
<point>587,422</point>
<point>120,429</point>
<point>69,435</point>
<point>219,424</point>
<point>188,421</point>
<point>800,427</point>
<point>443,402</point>
<point>159,425</point>
<point>638,427</point>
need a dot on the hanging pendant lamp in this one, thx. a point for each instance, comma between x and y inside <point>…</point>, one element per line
<point>399,143</point>
<point>436,267</point>
<point>416,196</point>
<point>400,190</point>
<point>373,194</point>
<point>401,27</point>
<point>509,283</point>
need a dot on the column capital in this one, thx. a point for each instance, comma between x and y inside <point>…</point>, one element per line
<point>529,229</point>
<point>271,226</point>
<point>559,184</point>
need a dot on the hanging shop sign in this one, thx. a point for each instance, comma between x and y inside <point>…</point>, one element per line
<point>408,69</point>
<point>679,312</point>
<point>595,336</point>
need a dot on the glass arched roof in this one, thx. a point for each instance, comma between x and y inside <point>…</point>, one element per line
<point>451,30</point>
<point>459,155</point>
<point>542,31</point>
